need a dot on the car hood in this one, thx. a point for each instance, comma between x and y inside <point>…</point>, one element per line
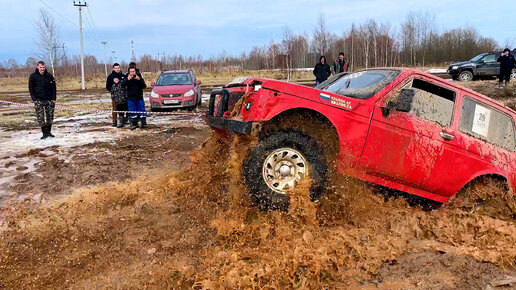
<point>462,63</point>
<point>335,100</point>
<point>175,89</point>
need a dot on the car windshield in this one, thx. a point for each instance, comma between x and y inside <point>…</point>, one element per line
<point>174,79</point>
<point>477,58</point>
<point>362,84</point>
<point>327,82</point>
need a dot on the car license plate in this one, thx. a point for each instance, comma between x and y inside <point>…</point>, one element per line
<point>171,102</point>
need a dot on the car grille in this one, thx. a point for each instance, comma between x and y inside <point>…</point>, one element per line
<point>171,95</point>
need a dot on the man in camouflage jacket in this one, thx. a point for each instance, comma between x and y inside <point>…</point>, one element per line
<point>118,94</point>
<point>42,88</point>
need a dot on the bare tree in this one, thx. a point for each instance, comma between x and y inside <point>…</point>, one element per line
<point>320,39</point>
<point>288,43</point>
<point>31,62</point>
<point>48,38</point>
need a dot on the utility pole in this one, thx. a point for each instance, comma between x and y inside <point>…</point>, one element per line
<point>105,63</point>
<point>133,56</point>
<point>65,63</point>
<point>80,5</point>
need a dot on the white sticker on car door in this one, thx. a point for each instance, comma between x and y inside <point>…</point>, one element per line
<point>481,120</point>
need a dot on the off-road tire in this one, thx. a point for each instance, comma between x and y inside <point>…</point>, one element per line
<point>487,196</point>
<point>252,169</point>
<point>465,76</point>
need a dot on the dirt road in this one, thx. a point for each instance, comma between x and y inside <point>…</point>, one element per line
<point>100,207</point>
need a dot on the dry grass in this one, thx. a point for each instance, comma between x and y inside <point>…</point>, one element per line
<point>207,78</point>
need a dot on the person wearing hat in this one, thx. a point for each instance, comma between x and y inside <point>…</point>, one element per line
<point>507,63</point>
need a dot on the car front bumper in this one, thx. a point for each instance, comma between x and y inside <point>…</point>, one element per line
<point>163,104</point>
<point>232,125</point>
<point>453,72</point>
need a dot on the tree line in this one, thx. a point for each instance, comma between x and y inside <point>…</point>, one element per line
<point>417,42</point>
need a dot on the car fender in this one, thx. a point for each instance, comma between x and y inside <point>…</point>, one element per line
<point>488,172</point>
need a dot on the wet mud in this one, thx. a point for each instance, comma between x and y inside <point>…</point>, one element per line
<point>196,228</point>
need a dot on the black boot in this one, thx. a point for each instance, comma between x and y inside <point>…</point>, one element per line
<point>121,121</point>
<point>144,122</point>
<point>49,131</point>
<point>134,123</point>
<point>44,131</point>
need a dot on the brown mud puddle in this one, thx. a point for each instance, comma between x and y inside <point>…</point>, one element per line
<point>197,229</point>
<point>63,170</point>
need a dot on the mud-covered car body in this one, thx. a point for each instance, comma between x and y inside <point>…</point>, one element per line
<point>446,137</point>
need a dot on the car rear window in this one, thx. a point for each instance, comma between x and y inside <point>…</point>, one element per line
<point>174,79</point>
<point>362,84</point>
<point>484,122</point>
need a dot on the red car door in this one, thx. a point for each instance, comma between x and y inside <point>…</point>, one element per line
<point>414,148</point>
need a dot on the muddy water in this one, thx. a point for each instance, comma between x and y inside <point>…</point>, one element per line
<point>196,228</point>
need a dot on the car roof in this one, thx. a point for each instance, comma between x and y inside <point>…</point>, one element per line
<point>470,92</point>
<point>176,71</point>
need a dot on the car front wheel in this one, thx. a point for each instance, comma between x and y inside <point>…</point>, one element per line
<point>277,165</point>
<point>465,76</point>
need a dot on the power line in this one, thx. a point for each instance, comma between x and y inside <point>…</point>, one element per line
<point>53,10</point>
<point>94,27</point>
<point>89,29</point>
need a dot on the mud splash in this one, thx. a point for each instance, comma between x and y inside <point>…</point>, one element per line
<point>197,229</point>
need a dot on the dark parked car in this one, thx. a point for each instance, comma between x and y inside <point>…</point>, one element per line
<point>176,89</point>
<point>481,66</point>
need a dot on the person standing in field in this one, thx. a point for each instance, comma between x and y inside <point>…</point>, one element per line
<point>507,63</point>
<point>134,85</point>
<point>321,71</point>
<point>118,95</point>
<point>341,64</point>
<point>42,88</point>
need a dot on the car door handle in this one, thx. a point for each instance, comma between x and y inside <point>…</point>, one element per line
<point>446,136</point>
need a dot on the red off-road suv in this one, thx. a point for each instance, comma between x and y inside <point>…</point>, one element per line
<point>396,127</point>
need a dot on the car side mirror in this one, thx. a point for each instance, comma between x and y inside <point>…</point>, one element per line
<point>152,85</point>
<point>197,82</point>
<point>404,103</point>
<point>480,61</point>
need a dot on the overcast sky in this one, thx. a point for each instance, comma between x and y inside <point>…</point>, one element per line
<point>208,28</point>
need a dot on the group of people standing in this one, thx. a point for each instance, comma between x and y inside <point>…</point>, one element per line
<point>127,95</point>
<point>322,69</point>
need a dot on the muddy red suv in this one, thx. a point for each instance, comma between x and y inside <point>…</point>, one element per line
<point>399,128</point>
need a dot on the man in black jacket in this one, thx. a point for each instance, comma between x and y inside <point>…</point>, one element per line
<point>507,63</point>
<point>42,88</point>
<point>321,71</point>
<point>118,95</point>
<point>134,85</point>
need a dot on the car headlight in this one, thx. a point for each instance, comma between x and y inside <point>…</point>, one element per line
<point>189,93</point>
<point>455,67</point>
<point>154,95</point>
